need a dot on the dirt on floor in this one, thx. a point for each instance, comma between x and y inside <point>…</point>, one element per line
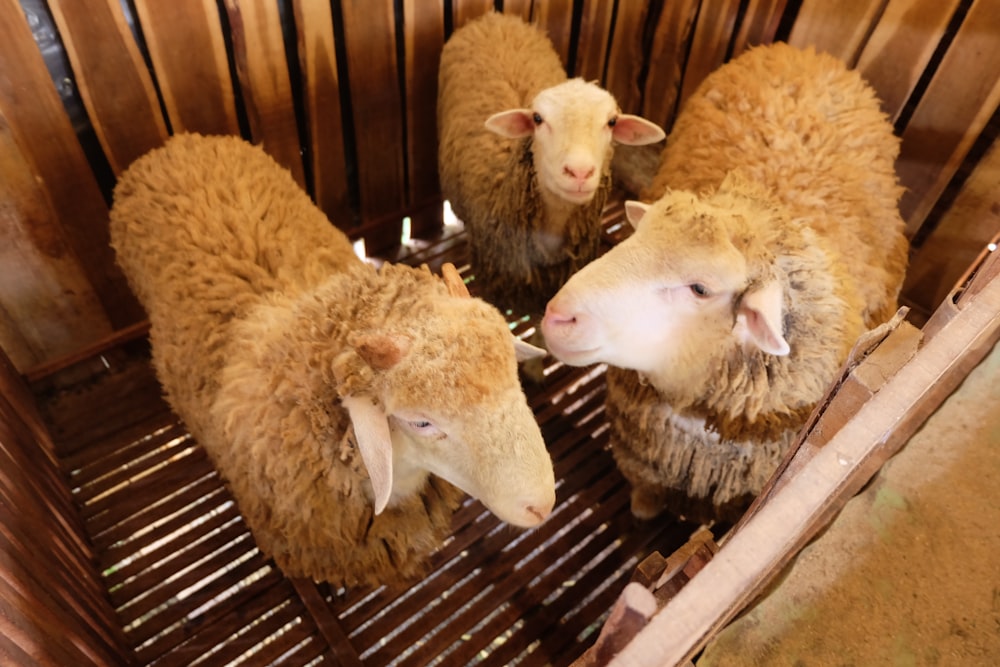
<point>909,573</point>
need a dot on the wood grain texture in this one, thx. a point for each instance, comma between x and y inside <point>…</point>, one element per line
<point>324,117</point>
<point>41,129</point>
<point>712,34</point>
<point>954,109</point>
<point>667,60</point>
<point>423,26</point>
<point>759,24</point>
<point>112,78</point>
<point>188,51</point>
<point>555,17</point>
<point>896,54</point>
<point>626,56</point>
<point>464,11</point>
<point>259,51</point>
<point>972,221</point>
<point>839,28</point>
<point>377,108</point>
<point>592,41</point>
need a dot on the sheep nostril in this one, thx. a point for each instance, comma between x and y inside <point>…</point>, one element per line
<point>555,318</point>
<point>540,514</point>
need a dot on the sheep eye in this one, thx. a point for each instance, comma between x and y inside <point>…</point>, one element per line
<point>611,123</point>
<point>699,290</point>
<point>421,424</point>
<point>537,118</point>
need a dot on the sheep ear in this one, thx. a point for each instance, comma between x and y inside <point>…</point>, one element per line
<point>371,430</point>
<point>635,131</point>
<point>526,351</point>
<point>761,309</point>
<point>634,211</point>
<point>513,123</point>
<point>381,351</point>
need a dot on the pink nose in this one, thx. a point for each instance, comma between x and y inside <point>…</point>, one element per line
<point>579,173</point>
<point>554,318</point>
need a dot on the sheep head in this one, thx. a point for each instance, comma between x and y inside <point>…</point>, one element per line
<point>572,126</point>
<point>697,281</point>
<point>433,388</point>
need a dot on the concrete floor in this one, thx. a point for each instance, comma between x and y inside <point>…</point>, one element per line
<point>909,573</point>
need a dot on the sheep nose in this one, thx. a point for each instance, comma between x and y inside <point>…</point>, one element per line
<point>539,512</point>
<point>554,318</point>
<point>579,172</point>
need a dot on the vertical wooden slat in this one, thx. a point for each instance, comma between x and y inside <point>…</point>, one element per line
<point>959,100</point>
<point>899,49</point>
<point>464,11</point>
<point>188,51</point>
<point>759,24</point>
<point>971,222</point>
<point>712,34</point>
<point>839,28</point>
<point>45,295</point>
<point>423,26</point>
<point>259,51</point>
<point>666,61</point>
<point>592,41</point>
<point>520,7</point>
<point>370,41</point>
<point>112,78</point>
<point>321,95</point>
<point>626,56</point>
<point>555,17</point>
<point>42,130</point>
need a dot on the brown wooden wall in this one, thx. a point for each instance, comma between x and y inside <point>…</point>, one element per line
<point>342,93</point>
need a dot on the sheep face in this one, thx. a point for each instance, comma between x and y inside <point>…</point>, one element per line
<point>443,397</point>
<point>572,126</point>
<point>691,285</point>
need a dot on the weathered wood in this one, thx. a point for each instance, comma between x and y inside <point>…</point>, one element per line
<point>112,79</point>
<point>754,554</point>
<point>327,623</point>
<point>194,80</point>
<point>592,40</point>
<point>953,111</point>
<point>41,129</point>
<point>625,59</point>
<point>521,8</point>
<point>464,11</point>
<point>712,34</point>
<point>759,24</point>
<point>839,28</point>
<point>969,224</point>
<point>555,17</point>
<point>667,60</point>
<point>321,90</point>
<point>423,25</point>
<point>902,43</point>
<point>377,111</point>
<point>259,52</point>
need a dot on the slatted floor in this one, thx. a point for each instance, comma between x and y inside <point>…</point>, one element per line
<point>191,588</point>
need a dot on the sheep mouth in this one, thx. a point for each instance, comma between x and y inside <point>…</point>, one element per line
<point>577,196</point>
<point>574,356</point>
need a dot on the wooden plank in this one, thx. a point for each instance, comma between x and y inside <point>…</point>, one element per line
<point>712,34</point>
<point>626,58</point>
<point>259,51</point>
<point>896,54</point>
<point>464,11</point>
<point>970,223</point>
<point>324,120</point>
<point>112,78</point>
<point>839,28</point>
<point>520,7</point>
<point>327,623</point>
<point>759,24</point>
<point>423,28</point>
<point>377,110</point>
<point>42,131</point>
<point>188,51</point>
<point>755,554</point>
<point>953,111</point>
<point>667,60</point>
<point>555,17</point>
<point>593,39</point>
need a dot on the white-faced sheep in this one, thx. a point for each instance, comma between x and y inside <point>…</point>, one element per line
<point>524,158</point>
<point>774,242</point>
<point>324,390</point>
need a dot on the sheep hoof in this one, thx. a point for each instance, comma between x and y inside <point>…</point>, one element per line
<point>648,502</point>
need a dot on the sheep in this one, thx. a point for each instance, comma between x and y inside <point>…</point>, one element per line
<point>773,241</point>
<point>339,402</point>
<point>524,158</point>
